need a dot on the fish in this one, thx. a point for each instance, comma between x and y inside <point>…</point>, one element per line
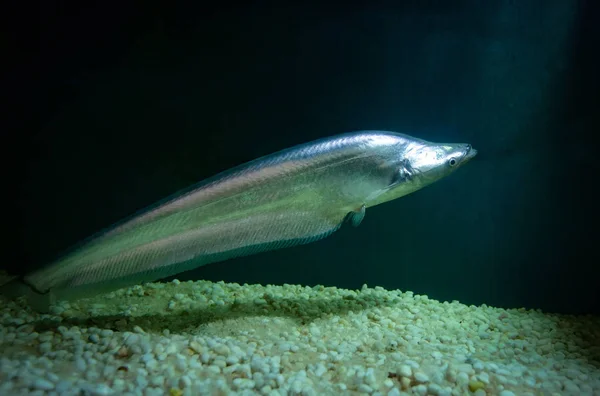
<point>292,197</point>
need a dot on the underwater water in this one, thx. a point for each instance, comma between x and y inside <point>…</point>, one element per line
<point>484,283</point>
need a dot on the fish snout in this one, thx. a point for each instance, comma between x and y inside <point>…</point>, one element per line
<point>470,152</point>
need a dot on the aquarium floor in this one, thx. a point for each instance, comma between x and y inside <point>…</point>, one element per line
<point>204,338</point>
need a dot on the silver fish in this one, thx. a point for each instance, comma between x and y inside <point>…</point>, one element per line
<point>294,196</point>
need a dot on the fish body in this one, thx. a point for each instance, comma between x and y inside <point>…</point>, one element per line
<point>294,196</point>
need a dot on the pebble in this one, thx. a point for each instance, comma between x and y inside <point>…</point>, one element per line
<point>475,385</point>
<point>179,296</point>
<point>506,393</point>
<point>80,364</point>
<point>404,370</point>
<point>101,390</point>
<point>243,383</point>
<point>45,347</point>
<point>289,339</point>
<point>62,386</point>
<point>394,392</point>
<point>421,377</point>
<point>42,384</point>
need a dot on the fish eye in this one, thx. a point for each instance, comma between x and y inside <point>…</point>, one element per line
<point>452,161</point>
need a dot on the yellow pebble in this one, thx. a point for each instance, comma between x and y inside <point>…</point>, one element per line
<point>475,385</point>
<point>175,392</point>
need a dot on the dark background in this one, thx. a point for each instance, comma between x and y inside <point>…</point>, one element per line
<point>114,106</point>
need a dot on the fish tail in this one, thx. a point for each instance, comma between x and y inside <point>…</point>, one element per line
<point>13,287</point>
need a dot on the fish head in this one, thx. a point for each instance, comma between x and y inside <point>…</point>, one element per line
<point>428,162</point>
<point>417,163</point>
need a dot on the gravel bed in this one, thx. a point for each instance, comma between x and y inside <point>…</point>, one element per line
<point>204,338</point>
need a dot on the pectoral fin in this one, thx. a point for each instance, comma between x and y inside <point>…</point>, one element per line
<point>356,217</point>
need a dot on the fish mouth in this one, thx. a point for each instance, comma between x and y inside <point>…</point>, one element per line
<point>470,152</point>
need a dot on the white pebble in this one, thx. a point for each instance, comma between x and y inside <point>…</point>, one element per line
<point>462,378</point>
<point>45,347</point>
<point>101,390</point>
<point>484,377</point>
<point>413,364</point>
<point>478,366</point>
<point>62,386</point>
<point>80,364</point>
<point>141,381</point>
<point>369,341</point>
<point>243,383</point>
<point>106,333</point>
<point>53,377</point>
<point>42,384</point>
<point>138,329</point>
<point>572,388</point>
<point>421,377</point>
<point>320,370</point>
<point>152,364</point>
<point>185,382</point>
<point>222,349</point>
<point>404,371</point>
